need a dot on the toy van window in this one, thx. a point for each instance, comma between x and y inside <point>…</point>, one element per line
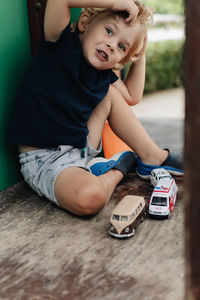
<point>124,218</point>
<point>115,217</point>
<point>160,201</point>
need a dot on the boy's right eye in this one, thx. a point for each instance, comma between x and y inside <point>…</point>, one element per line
<point>109,31</point>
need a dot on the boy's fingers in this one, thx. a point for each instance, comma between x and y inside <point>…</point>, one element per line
<point>130,20</point>
<point>132,15</point>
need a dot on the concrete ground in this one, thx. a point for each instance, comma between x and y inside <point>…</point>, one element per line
<point>47,253</point>
<point>162,115</point>
<point>168,104</point>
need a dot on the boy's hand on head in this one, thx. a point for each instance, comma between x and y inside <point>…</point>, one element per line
<point>129,6</point>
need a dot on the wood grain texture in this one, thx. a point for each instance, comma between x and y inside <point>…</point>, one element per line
<point>47,253</point>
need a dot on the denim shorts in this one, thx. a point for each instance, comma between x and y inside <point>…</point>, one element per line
<point>41,167</point>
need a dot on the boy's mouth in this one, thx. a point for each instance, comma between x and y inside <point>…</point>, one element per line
<point>103,56</point>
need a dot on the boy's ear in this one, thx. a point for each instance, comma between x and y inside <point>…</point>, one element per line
<point>83,22</point>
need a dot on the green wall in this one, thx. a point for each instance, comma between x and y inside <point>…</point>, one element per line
<point>14,57</point>
<point>75,12</point>
<point>15,54</point>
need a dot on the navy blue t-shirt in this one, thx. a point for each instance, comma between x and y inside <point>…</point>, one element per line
<point>58,95</point>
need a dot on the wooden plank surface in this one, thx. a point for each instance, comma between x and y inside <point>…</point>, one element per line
<point>47,253</point>
<point>192,149</point>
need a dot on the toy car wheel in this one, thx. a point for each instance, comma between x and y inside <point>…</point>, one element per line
<point>169,215</point>
<point>134,230</point>
<point>142,219</point>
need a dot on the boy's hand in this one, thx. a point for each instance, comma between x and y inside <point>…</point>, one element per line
<point>144,47</point>
<point>129,6</point>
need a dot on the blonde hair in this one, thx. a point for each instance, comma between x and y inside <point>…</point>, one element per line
<point>144,17</point>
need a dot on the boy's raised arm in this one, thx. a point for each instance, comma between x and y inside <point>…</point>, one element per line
<point>133,87</point>
<point>57,17</point>
<point>117,5</point>
<point>135,80</point>
<point>57,13</point>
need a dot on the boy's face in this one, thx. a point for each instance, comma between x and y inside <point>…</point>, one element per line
<point>106,40</point>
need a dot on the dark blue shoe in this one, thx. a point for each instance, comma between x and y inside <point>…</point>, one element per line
<point>123,161</point>
<point>173,164</point>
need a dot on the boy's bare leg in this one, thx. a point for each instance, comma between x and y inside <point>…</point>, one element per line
<point>126,126</point>
<point>81,192</point>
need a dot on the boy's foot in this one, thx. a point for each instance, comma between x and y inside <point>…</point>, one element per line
<point>173,164</point>
<point>123,161</point>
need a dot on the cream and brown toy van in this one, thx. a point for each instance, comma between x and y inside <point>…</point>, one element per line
<point>125,217</point>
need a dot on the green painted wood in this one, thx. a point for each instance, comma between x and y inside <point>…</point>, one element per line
<point>15,54</point>
<point>14,57</point>
<point>75,13</point>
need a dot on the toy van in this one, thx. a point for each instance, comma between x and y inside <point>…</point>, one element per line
<point>126,216</point>
<point>163,198</point>
<point>158,174</point>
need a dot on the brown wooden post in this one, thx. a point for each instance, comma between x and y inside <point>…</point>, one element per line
<point>192,150</point>
<point>36,10</point>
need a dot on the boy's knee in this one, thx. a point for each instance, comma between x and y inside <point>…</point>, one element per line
<point>92,200</point>
<point>112,92</point>
<point>86,200</point>
<point>115,95</point>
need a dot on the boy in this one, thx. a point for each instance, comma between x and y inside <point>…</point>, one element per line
<point>70,91</point>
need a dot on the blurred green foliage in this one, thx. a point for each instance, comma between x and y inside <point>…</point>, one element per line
<point>164,65</point>
<point>166,6</point>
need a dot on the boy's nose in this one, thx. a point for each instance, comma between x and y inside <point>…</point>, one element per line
<point>111,47</point>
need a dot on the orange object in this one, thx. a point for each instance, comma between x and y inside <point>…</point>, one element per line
<point>111,143</point>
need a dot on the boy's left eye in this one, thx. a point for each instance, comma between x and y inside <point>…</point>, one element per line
<point>122,47</point>
<point>109,31</point>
